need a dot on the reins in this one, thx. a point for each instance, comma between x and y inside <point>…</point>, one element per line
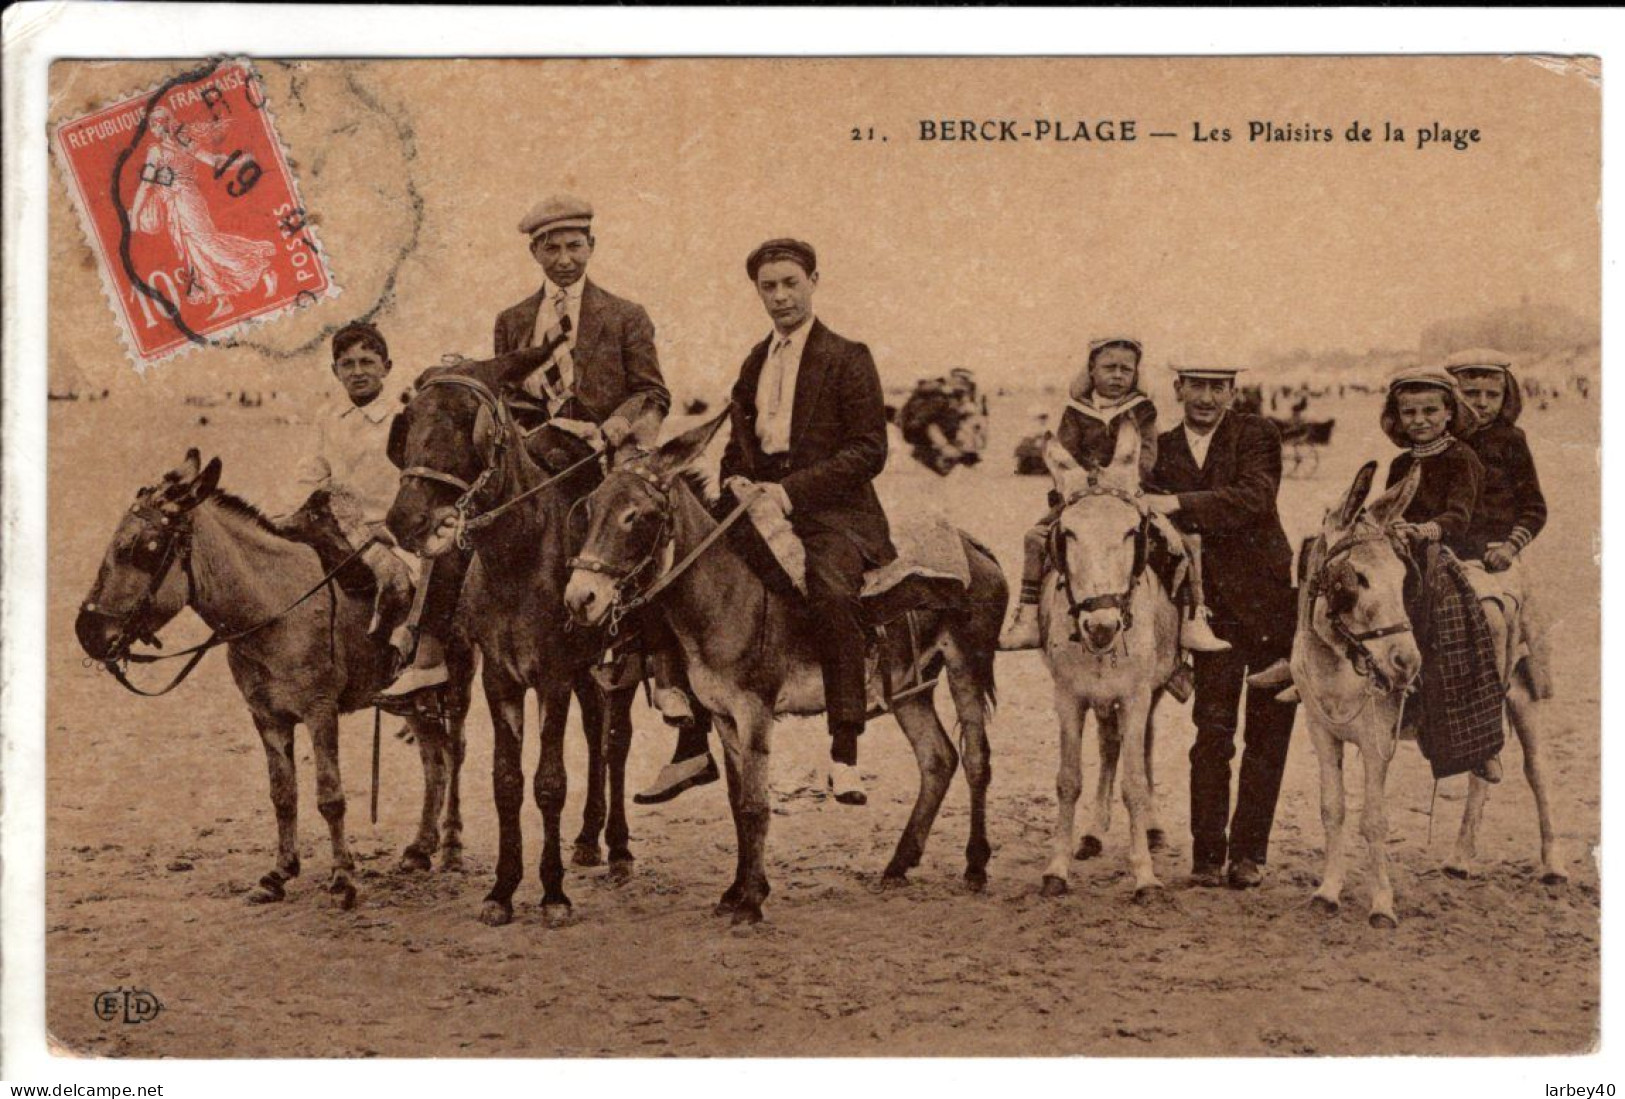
<point>1121,601</point>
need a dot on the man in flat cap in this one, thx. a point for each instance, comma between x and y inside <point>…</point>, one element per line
<point>1221,470</point>
<point>809,422</point>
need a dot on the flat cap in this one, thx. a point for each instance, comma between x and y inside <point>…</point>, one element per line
<point>1477,358</point>
<point>782,248</point>
<point>1410,376</point>
<point>1112,341</point>
<point>557,212</point>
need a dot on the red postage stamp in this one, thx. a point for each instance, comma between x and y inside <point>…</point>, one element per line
<point>188,199</point>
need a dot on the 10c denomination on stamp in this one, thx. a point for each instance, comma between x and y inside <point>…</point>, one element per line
<point>187,197</point>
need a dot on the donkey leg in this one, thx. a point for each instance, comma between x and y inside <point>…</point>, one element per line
<point>1465,855</point>
<point>1131,722</point>
<point>937,760</point>
<point>619,747</point>
<point>1068,785</point>
<point>977,755</point>
<point>587,851</point>
<point>1329,750</point>
<point>1109,741</point>
<point>1156,837</point>
<point>1374,827</point>
<point>324,735</point>
<point>507,705</point>
<point>454,749</point>
<point>732,761</point>
<point>755,809</point>
<point>551,787</point>
<point>277,738</point>
<point>1524,712</point>
<point>429,738</point>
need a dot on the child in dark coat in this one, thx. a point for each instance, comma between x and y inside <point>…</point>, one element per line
<point>1425,413</point>
<point>1104,393</point>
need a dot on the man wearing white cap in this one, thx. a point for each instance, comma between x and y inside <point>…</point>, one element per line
<point>1221,470</point>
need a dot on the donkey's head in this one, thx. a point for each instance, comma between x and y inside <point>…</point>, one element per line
<point>444,441</point>
<point>1098,544</point>
<point>1361,579</point>
<point>629,516</point>
<point>142,582</point>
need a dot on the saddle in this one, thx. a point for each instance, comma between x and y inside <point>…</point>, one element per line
<point>329,522</point>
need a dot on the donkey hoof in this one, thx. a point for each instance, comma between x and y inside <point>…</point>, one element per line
<point>620,871</point>
<point>496,913</point>
<point>1460,873</point>
<point>1382,921</point>
<point>1150,894</point>
<point>1090,848</point>
<point>556,913</point>
<point>586,854</point>
<point>1156,839</point>
<point>451,860</point>
<point>343,893</point>
<point>1554,877</point>
<point>1323,905</point>
<point>1053,886</point>
<point>747,913</point>
<point>413,861</point>
<point>267,891</point>
<point>975,881</point>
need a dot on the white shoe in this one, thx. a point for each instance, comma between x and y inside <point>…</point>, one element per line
<point>413,680</point>
<point>1021,632</point>
<point>673,705</point>
<point>845,784</point>
<point>1196,636</point>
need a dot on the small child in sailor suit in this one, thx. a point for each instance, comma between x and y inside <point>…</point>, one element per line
<point>1104,393</point>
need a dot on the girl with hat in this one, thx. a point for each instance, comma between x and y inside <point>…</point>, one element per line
<point>1424,412</point>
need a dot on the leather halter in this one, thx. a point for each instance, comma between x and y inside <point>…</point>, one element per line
<point>1354,643</point>
<point>1121,601</point>
<point>502,423</point>
<point>172,545</point>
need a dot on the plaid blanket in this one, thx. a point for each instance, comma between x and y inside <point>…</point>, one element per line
<point>1461,693</point>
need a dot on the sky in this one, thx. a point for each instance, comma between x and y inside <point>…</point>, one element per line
<point>1005,256</point>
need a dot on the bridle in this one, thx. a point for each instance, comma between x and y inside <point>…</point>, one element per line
<point>170,545</point>
<point>1121,601</point>
<point>495,423</point>
<point>1354,642</point>
<point>627,597</point>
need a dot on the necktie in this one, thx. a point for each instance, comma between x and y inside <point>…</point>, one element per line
<point>556,380</point>
<point>775,419</point>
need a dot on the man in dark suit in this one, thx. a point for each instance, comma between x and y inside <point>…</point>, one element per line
<point>1221,470</point>
<point>809,422</point>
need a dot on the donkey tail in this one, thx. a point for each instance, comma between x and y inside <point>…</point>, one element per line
<point>977,632</point>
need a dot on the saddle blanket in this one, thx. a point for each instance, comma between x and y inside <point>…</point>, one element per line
<point>928,546</point>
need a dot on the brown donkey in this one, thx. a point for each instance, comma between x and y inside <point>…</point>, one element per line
<point>463,461</point>
<point>184,543</point>
<point>751,657</point>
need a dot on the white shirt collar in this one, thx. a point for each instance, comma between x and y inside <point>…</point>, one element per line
<point>1106,413</point>
<point>572,293</point>
<point>1200,441</point>
<point>380,408</point>
<point>797,336</point>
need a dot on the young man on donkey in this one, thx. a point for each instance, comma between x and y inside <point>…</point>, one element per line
<point>1220,472</point>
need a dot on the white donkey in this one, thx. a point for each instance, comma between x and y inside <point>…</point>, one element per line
<point>1111,638</point>
<point>1353,660</point>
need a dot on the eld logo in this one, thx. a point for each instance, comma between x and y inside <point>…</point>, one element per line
<point>128,1005</point>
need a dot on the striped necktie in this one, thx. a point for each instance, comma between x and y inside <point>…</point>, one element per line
<point>775,418</point>
<point>556,380</point>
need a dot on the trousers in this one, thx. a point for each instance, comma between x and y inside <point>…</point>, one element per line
<point>1216,833</point>
<point>834,583</point>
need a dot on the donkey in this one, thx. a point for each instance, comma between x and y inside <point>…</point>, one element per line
<point>186,543</point>
<point>751,655</point>
<point>1099,591</point>
<point>459,450</point>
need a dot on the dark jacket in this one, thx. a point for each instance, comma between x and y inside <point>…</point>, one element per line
<point>837,441</point>
<point>1511,500</point>
<point>616,368</point>
<point>1230,502</point>
<point>1448,494</point>
<point>1090,434</point>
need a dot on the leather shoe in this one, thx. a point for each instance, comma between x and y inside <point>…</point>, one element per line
<point>674,778</point>
<point>1021,632</point>
<point>1246,874</point>
<point>1278,674</point>
<point>1208,876</point>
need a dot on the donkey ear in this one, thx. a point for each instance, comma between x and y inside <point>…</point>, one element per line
<point>1392,504</point>
<point>190,493</point>
<point>685,449</point>
<point>1064,468</point>
<point>1126,454</point>
<point>1342,516</point>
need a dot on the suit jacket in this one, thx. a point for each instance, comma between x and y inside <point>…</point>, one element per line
<point>837,440</point>
<point>617,371</point>
<point>1230,502</point>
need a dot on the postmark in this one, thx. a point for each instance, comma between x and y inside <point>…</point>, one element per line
<point>187,197</point>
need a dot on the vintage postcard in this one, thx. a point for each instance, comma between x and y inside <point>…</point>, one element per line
<point>839,557</point>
